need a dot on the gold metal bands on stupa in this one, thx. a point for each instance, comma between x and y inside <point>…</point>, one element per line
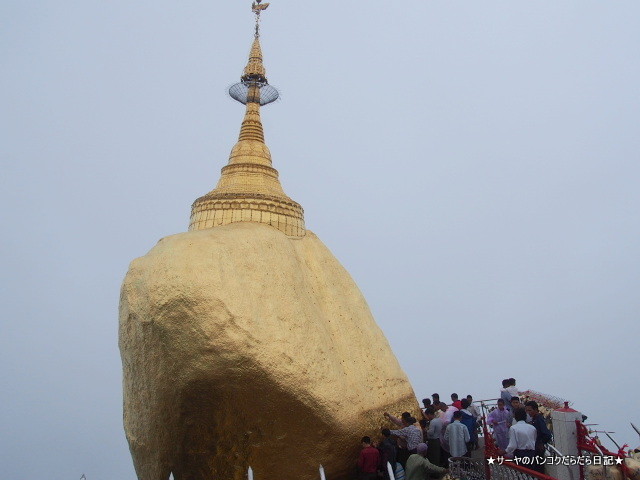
<point>249,189</point>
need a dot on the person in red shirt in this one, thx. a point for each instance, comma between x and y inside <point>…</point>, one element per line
<point>368,461</point>
<point>455,402</point>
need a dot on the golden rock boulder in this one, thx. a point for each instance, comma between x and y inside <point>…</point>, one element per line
<point>243,346</point>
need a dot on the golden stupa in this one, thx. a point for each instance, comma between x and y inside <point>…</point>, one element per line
<point>249,189</point>
<point>244,342</point>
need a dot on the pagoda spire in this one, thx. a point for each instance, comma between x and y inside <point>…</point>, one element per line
<point>249,189</point>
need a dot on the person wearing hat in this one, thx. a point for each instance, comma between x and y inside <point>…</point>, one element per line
<point>419,468</point>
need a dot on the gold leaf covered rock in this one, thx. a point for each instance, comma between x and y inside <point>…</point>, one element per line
<point>242,347</point>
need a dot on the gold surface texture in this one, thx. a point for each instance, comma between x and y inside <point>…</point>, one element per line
<point>249,189</point>
<point>255,65</point>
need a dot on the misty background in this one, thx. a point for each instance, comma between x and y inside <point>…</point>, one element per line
<point>474,166</point>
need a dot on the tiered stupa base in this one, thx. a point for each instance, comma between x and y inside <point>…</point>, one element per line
<point>215,210</point>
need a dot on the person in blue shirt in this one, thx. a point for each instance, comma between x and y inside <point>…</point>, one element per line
<point>543,435</point>
<point>469,421</point>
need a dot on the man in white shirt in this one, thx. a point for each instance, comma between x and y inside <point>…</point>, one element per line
<point>512,389</point>
<point>457,435</point>
<point>522,439</point>
<point>473,409</point>
<point>447,413</point>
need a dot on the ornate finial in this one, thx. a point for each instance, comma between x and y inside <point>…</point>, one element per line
<point>257,8</point>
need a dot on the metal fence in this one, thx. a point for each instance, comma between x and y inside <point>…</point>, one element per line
<point>463,468</point>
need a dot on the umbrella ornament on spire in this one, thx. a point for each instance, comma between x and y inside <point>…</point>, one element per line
<point>253,86</point>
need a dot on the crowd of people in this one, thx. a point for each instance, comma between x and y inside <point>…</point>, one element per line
<point>519,430</point>
<point>420,449</point>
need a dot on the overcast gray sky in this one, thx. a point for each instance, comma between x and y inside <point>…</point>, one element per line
<point>473,164</point>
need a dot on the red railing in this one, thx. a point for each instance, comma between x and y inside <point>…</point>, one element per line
<point>593,446</point>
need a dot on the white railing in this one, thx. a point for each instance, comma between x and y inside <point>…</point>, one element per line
<point>323,476</point>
